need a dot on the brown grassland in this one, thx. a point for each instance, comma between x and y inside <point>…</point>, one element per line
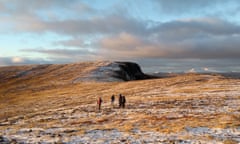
<point>47,98</point>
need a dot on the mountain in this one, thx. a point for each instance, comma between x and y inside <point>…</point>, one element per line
<point>36,77</point>
<point>57,104</point>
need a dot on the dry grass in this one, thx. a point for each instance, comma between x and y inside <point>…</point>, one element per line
<point>166,105</point>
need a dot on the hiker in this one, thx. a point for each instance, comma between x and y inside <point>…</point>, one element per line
<point>99,102</point>
<point>112,100</point>
<point>120,100</point>
<point>123,101</point>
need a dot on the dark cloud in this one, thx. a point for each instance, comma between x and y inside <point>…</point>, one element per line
<point>195,28</point>
<point>101,25</point>
<point>191,6</point>
<point>197,38</point>
<point>200,38</point>
<point>185,38</point>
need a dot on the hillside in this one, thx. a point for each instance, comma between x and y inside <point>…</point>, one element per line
<point>57,103</point>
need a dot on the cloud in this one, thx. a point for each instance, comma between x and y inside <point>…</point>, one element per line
<point>198,38</point>
<point>17,60</point>
<point>205,69</point>
<point>64,55</point>
<point>104,25</point>
<point>41,16</point>
<point>192,70</point>
<point>64,18</point>
<point>34,19</point>
<point>95,26</point>
<point>123,41</point>
<point>76,42</point>
<point>195,28</point>
<point>9,61</point>
<point>126,45</point>
<point>96,33</point>
<point>190,6</point>
<point>191,38</point>
<point>26,7</point>
<point>206,37</point>
<point>53,56</point>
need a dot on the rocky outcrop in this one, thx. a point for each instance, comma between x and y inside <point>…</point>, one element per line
<point>129,71</point>
<point>115,71</point>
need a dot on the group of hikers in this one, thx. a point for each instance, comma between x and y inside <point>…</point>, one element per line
<point>121,100</point>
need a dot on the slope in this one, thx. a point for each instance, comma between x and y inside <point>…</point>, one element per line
<point>188,108</point>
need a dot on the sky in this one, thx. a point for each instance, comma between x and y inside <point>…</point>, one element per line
<point>65,31</point>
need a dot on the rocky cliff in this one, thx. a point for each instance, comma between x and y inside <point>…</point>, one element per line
<point>115,71</point>
<point>129,71</point>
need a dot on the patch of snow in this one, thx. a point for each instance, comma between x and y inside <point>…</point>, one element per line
<point>52,135</point>
<point>104,72</point>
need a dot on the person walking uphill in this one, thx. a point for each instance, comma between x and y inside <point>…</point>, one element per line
<point>112,100</point>
<point>123,101</point>
<point>99,102</point>
<point>120,100</point>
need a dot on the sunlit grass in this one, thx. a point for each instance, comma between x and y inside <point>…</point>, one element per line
<point>168,105</point>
